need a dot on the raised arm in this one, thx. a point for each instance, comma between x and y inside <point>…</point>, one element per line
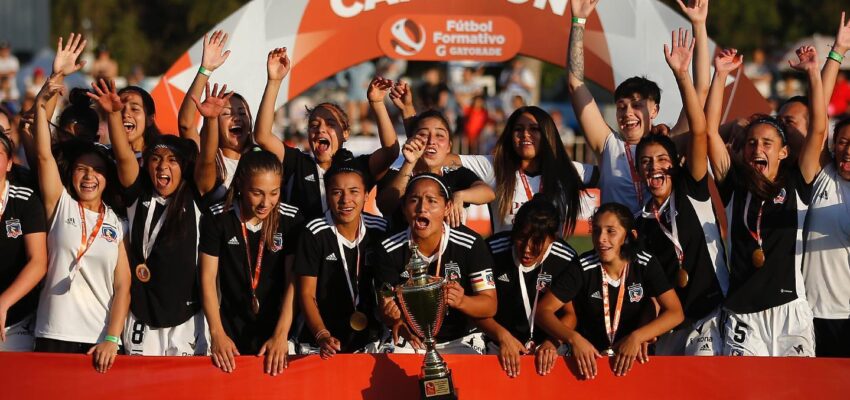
<point>382,158</point>
<point>402,97</point>
<point>106,96</point>
<point>212,57</point>
<point>595,128</point>
<point>810,156</point>
<point>724,63</point>
<point>678,57</point>
<point>49,179</point>
<point>697,13</point>
<point>832,66</point>
<point>388,198</point>
<point>205,168</point>
<point>277,66</point>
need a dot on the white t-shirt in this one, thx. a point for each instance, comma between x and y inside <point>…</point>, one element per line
<point>826,264</point>
<point>615,175</point>
<point>78,310</point>
<point>229,170</point>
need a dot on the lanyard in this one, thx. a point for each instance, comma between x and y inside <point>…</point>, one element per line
<point>528,193</point>
<point>255,280</point>
<point>757,234</point>
<point>635,177</point>
<point>611,327</point>
<point>674,235</point>
<point>355,296</point>
<point>85,244</point>
<point>530,309</point>
<point>149,237</point>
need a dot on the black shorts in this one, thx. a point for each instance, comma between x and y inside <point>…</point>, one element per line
<point>45,345</point>
<point>831,337</point>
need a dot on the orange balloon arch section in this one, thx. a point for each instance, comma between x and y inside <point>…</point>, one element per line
<point>379,376</point>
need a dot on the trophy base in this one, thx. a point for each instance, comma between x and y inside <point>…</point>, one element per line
<point>437,388</point>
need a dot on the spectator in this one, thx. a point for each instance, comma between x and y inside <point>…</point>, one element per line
<point>759,73</point>
<point>104,66</point>
<point>9,67</point>
<point>35,82</point>
<point>517,80</point>
<point>433,93</point>
<point>840,97</point>
<point>356,81</point>
<point>467,89</point>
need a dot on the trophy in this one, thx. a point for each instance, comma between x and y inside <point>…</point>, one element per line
<point>423,304</point>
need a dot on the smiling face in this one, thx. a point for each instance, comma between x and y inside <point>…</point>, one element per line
<point>634,116</point>
<point>842,152</point>
<point>526,137</point>
<point>346,197</point>
<point>135,120</point>
<point>164,170</point>
<point>437,140</point>
<point>656,167</point>
<point>260,194</point>
<point>425,208</point>
<point>609,235</point>
<point>234,125</point>
<point>764,150</point>
<point>326,133</point>
<point>88,177</point>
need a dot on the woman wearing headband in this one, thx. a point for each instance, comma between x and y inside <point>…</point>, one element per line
<point>86,294</point>
<point>766,199</point>
<point>458,254</point>
<point>165,312</point>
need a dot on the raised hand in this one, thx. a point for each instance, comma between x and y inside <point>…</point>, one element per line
<point>106,96</point>
<point>278,64</point>
<point>65,62</point>
<point>214,102</point>
<point>807,59</point>
<point>583,8</point>
<point>842,37</point>
<point>213,55</point>
<point>728,60</point>
<point>402,96</point>
<point>47,92</point>
<point>679,55</point>
<point>413,149</point>
<point>696,10</point>
<point>378,89</point>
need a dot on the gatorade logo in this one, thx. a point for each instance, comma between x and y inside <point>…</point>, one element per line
<point>408,37</point>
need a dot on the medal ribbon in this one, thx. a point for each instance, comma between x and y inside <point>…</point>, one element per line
<point>674,235</point>
<point>255,279</point>
<point>757,234</point>
<point>635,177</point>
<point>524,179</point>
<point>611,327</point>
<point>530,309</point>
<point>355,297</point>
<point>149,237</point>
<point>439,250</point>
<point>85,244</point>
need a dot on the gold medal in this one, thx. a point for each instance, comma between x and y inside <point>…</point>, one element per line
<point>758,258</point>
<point>358,321</point>
<point>682,277</point>
<point>143,273</point>
<point>255,304</point>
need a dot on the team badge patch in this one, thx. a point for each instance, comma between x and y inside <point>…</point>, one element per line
<point>13,228</point>
<point>109,233</point>
<point>780,198</point>
<point>452,271</point>
<point>635,292</point>
<point>277,242</point>
<point>543,280</point>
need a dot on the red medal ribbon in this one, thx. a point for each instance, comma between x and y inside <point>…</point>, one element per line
<point>635,177</point>
<point>673,236</point>
<point>611,327</point>
<point>255,280</point>
<point>86,244</point>
<point>757,234</point>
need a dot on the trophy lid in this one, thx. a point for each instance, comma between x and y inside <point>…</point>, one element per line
<point>417,267</point>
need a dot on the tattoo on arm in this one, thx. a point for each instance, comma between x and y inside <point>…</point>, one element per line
<point>576,52</point>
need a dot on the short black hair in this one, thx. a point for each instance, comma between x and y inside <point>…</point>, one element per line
<point>639,85</point>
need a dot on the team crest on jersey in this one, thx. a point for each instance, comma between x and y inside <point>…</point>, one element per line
<point>277,242</point>
<point>780,198</point>
<point>543,280</point>
<point>109,233</point>
<point>13,228</point>
<point>452,271</point>
<point>635,292</point>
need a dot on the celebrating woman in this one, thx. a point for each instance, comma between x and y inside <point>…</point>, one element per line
<point>458,254</point>
<point>608,321</point>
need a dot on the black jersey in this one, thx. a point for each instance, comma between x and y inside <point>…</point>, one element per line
<point>582,284</point>
<point>466,259</point>
<point>780,280</point>
<point>698,234</point>
<point>305,181</point>
<point>221,236</point>
<point>455,178</point>
<point>21,213</point>
<point>511,313</point>
<point>318,255</point>
<point>171,294</point>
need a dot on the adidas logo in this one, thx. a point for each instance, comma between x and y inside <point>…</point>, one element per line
<point>504,278</point>
<point>146,204</point>
<point>233,241</point>
<point>310,178</point>
<point>705,347</point>
<point>331,257</point>
<point>596,295</point>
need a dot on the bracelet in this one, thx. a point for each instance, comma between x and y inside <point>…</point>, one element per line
<point>204,71</point>
<point>113,339</point>
<point>580,21</point>
<point>320,334</point>
<point>834,55</point>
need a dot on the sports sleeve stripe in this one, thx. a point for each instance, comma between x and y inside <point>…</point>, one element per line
<point>482,280</point>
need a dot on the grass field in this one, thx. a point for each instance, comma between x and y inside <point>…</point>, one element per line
<point>581,243</point>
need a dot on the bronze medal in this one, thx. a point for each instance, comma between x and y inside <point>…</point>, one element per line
<point>758,258</point>
<point>255,304</point>
<point>143,273</point>
<point>358,321</point>
<point>682,277</point>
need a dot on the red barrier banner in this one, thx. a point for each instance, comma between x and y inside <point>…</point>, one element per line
<point>379,376</point>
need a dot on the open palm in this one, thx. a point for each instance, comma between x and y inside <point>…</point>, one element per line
<point>65,61</point>
<point>215,101</point>
<point>106,96</point>
<point>728,60</point>
<point>278,64</point>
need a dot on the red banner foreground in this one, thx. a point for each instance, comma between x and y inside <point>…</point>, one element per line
<point>54,376</point>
